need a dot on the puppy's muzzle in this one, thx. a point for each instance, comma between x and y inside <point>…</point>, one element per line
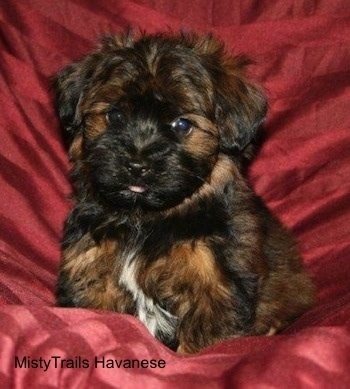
<point>138,168</point>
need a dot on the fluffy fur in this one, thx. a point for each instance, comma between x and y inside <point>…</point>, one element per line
<point>165,227</point>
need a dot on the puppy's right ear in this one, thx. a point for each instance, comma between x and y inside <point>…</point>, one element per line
<point>72,81</point>
<point>68,87</point>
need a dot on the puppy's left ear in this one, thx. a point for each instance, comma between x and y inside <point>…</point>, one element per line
<point>240,106</point>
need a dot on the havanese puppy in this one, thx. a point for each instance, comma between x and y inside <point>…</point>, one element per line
<point>165,227</point>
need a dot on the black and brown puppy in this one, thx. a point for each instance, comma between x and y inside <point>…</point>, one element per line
<point>165,227</point>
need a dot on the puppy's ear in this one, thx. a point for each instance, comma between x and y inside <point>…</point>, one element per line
<point>240,106</point>
<point>69,85</point>
<point>71,82</point>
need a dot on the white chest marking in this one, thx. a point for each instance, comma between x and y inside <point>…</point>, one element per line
<point>155,318</point>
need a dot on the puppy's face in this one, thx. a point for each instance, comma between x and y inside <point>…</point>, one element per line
<point>148,117</point>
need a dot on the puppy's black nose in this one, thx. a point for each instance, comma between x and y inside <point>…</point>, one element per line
<point>138,168</point>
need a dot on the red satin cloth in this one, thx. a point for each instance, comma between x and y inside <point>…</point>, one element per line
<point>302,55</point>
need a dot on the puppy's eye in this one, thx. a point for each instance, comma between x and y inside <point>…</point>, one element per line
<point>182,125</point>
<point>114,116</point>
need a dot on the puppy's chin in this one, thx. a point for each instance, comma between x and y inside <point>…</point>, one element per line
<point>142,198</point>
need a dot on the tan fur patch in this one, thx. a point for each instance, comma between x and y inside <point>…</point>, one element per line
<point>188,269</point>
<point>94,271</point>
<point>203,140</point>
<point>75,149</point>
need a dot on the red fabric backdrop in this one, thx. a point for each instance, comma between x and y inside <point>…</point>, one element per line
<point>302,54</point>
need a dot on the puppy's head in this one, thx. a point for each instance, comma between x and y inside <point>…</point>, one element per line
<point>148,117</point>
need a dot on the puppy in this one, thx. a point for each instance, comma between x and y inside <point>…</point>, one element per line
<point>165,227</point>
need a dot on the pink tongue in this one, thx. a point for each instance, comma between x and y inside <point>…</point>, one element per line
<point>137,189</point>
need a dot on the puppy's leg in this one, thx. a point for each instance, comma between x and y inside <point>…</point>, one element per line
<point>207,304</point>
<point>212,319</point>
<point>88,277</point>
<point>285,296</point>
<point>287,291</point>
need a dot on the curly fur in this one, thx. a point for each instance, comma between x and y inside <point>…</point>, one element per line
<point>165,227</point>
